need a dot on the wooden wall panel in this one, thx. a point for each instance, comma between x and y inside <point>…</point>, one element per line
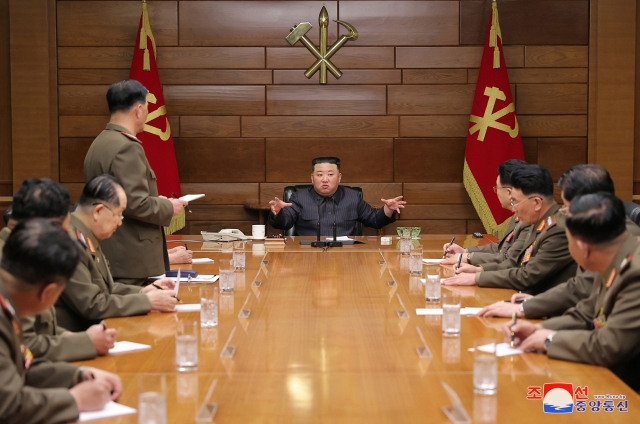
<point>215,77</point>
<point>82,126</point>
<point>83,100</point>
<point>434,76</point>
<point>253,23</point>
<point>552,125</point>
<point>95,57</point>
<point>72,154</point>
<point>211,57</point>
<point>114,23</point>
<point>317,126</point>
<point>556,56</point>
<point>321,100</point>
<point>214,100</point>
<point>550,99</point>
<point>528,22</point>
<point>220,160</point>
<point>352,76</point>
<point>452,57</point>
<point>428,160</point>
<point>540,75</point>
<point>220,213</point>
<point>290,160</point>
<point>380,23</point>
<point>91,76</point>
<point>439,212</point>
<point>530,147</point>
<point>436,193</point>
<point>434,126</point>
<point>6,165</point>
<point>346,58</point>
<point>430,99</point>
<point>210,126</point>
<point>560,154</point>
<point>223,193</point>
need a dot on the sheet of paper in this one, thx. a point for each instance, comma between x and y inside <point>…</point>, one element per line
<point>202,261</point>
<point>438,311</point>
<point>110,410</point>
<point>191,197</point>
<point>188,307</point>
<point>124,346</point>
<point>470,311</point>
<point>341,238</point>
<point>201,278</point>
<point>502,349</point>
<point>431,260</point>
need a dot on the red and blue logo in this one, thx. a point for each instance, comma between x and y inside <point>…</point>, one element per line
<point>557,398</point>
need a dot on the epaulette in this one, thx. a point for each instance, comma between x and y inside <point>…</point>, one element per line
<point>626,262</point>
<point>6,306</point>
<point>81,238</point>
<point>612,276</point>
<point>130,137</point>
<point>517,219</point>
<point>551,221</point>
<point>540,226</point>
<point>92,248</point>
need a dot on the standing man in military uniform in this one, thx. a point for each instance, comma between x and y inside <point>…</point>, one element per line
<point>544,260</point>
<point>91,295</point>
<point>138,249</point>
<point>605,328</point>
<point>39,391</point>
<point>511,244</point>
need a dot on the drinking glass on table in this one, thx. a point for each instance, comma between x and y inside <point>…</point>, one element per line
<point>432,283</point>
<point>415,260</point>
<point>226,270</point>
<point>451,314</point>
<point>485,367</point>
<point>405,241</point>
<point>239,258</point>
<point>187,345</point>
<point>152,399</point>
<point>208,306</point>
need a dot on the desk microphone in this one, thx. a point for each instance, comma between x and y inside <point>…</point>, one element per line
<point>318,242</point>
<point>334,242</point>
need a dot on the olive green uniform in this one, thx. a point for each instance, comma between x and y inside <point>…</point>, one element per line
<point>507,248</point>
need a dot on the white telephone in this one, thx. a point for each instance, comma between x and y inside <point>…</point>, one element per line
<point>229,234</point>
<point>232,231</point>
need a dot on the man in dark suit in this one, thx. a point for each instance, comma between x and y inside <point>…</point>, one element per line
<point>138,249</point>
<point>327,203</point>
<point>39,391</point>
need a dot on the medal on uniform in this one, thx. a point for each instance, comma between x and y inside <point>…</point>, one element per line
<point>612,276</point>
<point>600,321</point>
<point>527,253</point>
<point>509,237</point>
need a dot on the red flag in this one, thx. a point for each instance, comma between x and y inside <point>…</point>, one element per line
<point>156,137</point>
<point>494,136</point>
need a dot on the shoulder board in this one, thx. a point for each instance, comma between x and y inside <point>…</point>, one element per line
<point>551,221</point>
<point>626,262</point>
<point>92,248</point>
<point>6,306</point>
<point>540,226</point>
<point>612,276</point>
<point>131,137</point>
<point>81,238</point>
<point>517,219</point>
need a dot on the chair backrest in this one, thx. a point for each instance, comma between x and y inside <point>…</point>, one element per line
<point>289,190</point>
<point>633,211</point>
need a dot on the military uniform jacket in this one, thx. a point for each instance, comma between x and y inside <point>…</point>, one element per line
<point>31,392</point>
<point>544,261</point>
<point>137,249</point>
<point>43,336</point>
<point>557,300</point>
<point>508,247</point>
<point>91,294</point>
<point>604,329</point>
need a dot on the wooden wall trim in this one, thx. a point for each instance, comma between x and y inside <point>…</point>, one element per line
<point>612,89</point>
<point>33,89</point>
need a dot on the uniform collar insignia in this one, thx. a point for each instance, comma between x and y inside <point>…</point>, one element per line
<point>131,137</point>
<point>7,306</point>
<point>92,248</point>
<point>612,276</point>
<point>626,262</point>
<point>540,226</point>
<point>551,221</point>
<point>80,237</point>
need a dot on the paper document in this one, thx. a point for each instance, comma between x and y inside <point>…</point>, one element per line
<point>431,261</point>
<point>202,261</point>
<point>341,238</point>
<point>110,410</point>
<point>122,347</point>
<point>502,349</point>
<point>188,307</point>
<point>438,311</point>
<point>191,197</point>
<point>201,278</point>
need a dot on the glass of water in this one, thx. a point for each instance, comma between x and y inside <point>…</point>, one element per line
<point>415,260</point>
<point>238,258</point>
<point>187,345</point>
<point>451,314</point>
<point>432,283</point>
<point>226,270</point>
<point>152,399</point>
<point>485,367</point>
<point>208,306</point>
<point>405,241</point>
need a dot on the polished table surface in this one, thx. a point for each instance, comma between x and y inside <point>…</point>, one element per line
<point>323,343</point>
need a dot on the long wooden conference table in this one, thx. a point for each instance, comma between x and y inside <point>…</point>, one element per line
<point>324,342</point>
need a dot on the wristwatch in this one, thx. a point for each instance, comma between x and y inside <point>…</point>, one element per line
<point>521,309</point>
<point>547,341</point>
<point>469,258</point>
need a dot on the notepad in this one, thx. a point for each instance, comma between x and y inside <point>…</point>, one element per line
<point>438,311</point>
<point>123,347</point>
<point>188,307</point>
<point>202,261</point>
<point>191,197</point>
<point>111,409</point>
<point>201,278</point>
<point>502,349</point>
<point>431,261</point>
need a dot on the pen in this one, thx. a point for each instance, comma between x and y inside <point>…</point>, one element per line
<point>156,286</point>
<point>186,206</point>
<point>185,246</point>
<point>459,261</point>
<point>513,335</point>
<point>447,249</point>
<point>518,300</point>
<point>104,326</point>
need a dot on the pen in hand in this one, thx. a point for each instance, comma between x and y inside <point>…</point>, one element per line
<point>104,325</point>
<point>459,261</point>
<point>186,206</point>
<point>513,335</point>
<point>447,249</point>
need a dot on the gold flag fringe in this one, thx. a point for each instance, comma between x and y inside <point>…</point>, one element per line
<point>177,223</point>
<point>145,31</point>
<point>480,204</point>
<point>494,34</point>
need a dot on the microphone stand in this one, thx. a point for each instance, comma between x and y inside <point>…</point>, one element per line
<point>334,242</point>
<point>318,242</point>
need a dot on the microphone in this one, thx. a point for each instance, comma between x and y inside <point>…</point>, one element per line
<point>318,242</point>
<point>334,242</point>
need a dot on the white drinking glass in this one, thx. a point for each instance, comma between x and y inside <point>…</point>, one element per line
<point>451,314</point>
<point>208,306</point>
<point>187,345</point>
<point>485,367</point>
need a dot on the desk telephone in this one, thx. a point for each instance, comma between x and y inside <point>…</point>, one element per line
<point>229,234</point>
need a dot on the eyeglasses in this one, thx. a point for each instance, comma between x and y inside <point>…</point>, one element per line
<point>119,215</point>
<point>564,210</point>
<point>496,188</point>
<point>522,201</point>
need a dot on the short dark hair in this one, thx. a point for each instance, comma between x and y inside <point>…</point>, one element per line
<point>533,179</point>
<point>585,179</point>
<point>506,168</point>
<point>102,188</point>
<point>596,218</point>
<point>39,252</point>
<point>327,159</point>
<point>40,198</point>
<point>123,95</point>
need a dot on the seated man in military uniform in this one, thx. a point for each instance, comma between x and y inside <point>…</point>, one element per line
<point>603,329</point>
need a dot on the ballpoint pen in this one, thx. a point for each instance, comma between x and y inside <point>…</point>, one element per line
<point>447,249</point>
<point>104,326</point>
<point>185,206</point>
<point>459,261</point>
<point>513,335</point>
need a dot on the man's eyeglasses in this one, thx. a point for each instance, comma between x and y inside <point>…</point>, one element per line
<point>514,204</point>
<point>119,215</point>
<point>496,188</point>
<point>564,210</point>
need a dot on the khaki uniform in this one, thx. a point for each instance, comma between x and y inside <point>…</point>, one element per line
<point>91,295</point>
<point>508,247</point>
<point>31,391</point>
<point>45,339</point>
<point>557,300</point>
<point>137,250</point>
<point>544,261</point>
<point>604,329</point>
